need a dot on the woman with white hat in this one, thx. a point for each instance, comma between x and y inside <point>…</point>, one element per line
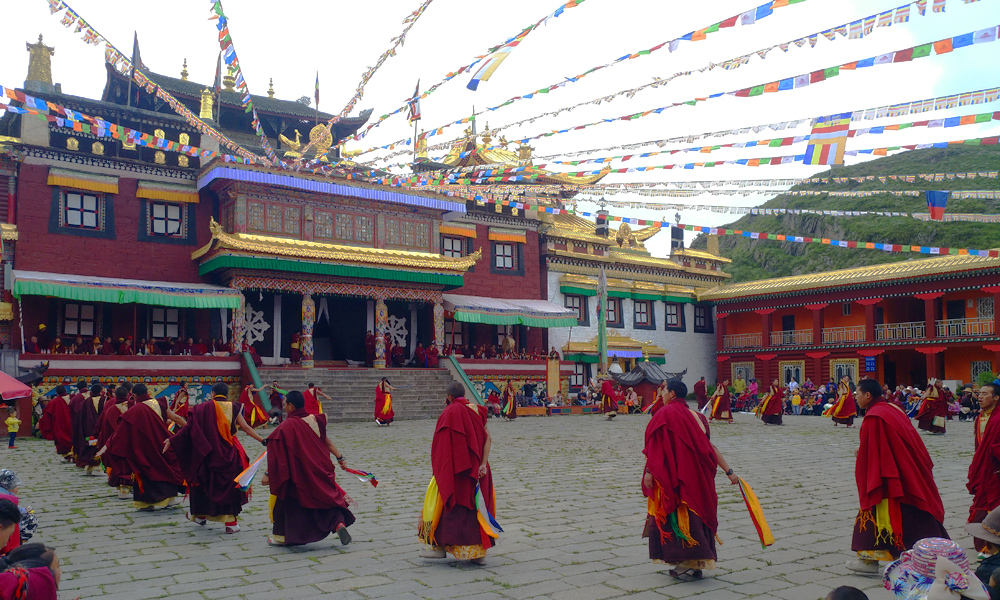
<point>935,569</point>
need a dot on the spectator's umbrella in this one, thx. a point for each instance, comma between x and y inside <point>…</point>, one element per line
<point>12,389</point>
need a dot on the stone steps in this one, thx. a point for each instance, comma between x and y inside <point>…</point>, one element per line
<point>353,390</point>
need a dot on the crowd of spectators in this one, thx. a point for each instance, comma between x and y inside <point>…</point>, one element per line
<point>124,346</point>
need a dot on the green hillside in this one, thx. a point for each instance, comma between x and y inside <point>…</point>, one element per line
<point>754,259</point>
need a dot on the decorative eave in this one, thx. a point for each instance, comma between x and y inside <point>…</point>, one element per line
<point>239,250</point>
<point>618,345</point>
<point>856,278</point>
<point>579,264</point>
<point>8,232</point>
<point>699,254</point>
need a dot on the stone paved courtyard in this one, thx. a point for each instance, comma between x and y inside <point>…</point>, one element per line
<point>568,499</point>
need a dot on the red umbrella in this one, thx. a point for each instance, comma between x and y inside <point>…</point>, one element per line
<point>12,389</point>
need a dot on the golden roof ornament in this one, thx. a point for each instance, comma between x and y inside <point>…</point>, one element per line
<point>205,113</point>
<point>270,90</point>
<point>486,135</point>
<point>39,62</point>
<point>524,151</point>
<point>229,82</point>
<point>184,71</point>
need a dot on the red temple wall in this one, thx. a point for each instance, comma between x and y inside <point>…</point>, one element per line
<point>485,283</point>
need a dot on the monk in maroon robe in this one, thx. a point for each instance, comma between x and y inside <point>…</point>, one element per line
<point>722,403</point>
<point>85,410</point>
<point>701,393</point>
<point>313,404</point>
<point>984,481</point>
<point>933,411</point>
<point>679,482</point>
<point>900,503</point>
<point>253,412</point>
<point>383,403</point>
<point>56,423</point>
<point>460,454</point>
<point>211,457</point>
<point>420,357</point>
<point>369,349</point>
<point>773,405</point>
<point>137,448</point>
<point>432,357</point>
<point>118,475</point>
<point>107,348</point>
<point>182,401</point>
<point>609,401</point>
<point>309,505</point>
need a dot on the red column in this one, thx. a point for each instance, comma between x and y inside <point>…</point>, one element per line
<point>766,368</point>
<point>817,314</point>
<point>929,324</point>
<point>720,331</point>
<point>869,304</point>
<point>995,349</point>
<point>818,357</point>
<point>765,326</point>
<point>932,362</point>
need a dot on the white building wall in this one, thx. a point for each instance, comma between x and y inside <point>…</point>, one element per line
<point>685,349</point>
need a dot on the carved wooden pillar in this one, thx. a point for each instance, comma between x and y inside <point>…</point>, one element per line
<point>438,325</point>
<point>817,321</point>
<point>381,327</point>
<point>929,314</point>
<point>765,326</point>
<point>308,321</point>
<point>869,304</point>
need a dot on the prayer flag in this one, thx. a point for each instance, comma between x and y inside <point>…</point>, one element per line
<point>756,514</point>
<point>245,479</point>
<point>486,520</point>
<point>414,105</point>
<point>936,203</point>
<point>487,69</point>
<point>984,36</point>
<point>363,476</point>
<point>317,90</point>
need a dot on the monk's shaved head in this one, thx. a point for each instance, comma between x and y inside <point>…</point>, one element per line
<point>846,592</point>
<point>455,390</point>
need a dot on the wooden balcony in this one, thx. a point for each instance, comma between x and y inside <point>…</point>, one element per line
<point>890,332</point>
<point>844,335</point>
<point>741,340</point>
<point>964,327</point>
<point>793,337</point>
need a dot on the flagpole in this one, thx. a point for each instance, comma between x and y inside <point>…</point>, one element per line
<point>415,143</point>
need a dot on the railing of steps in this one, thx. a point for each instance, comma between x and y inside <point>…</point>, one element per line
<point>456,369</point>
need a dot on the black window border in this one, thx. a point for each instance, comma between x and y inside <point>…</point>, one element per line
<point>666,322</point>
<point>650,311</point>
<point>191,237</point>
<point>518,257</point>
<point>620,324</point>
<point>107,232</point>
<point>709,323</point>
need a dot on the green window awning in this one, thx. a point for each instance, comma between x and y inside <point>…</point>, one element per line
<point>448,280</point>
<point>124,291</point>
<point>494,311</point>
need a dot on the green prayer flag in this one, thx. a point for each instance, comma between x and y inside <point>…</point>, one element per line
<point>757,90</point>
<point>984,118</point>
<point>713,28</point>
<point>975,142</point>
<point>831,72</point>
<point>691,102</point>
<point>775,143</point>
<point>84,127</point>
<point>772,236</point>
<point>922,51</point>
<point>905,125</point>
<point>642,52</point>
<point>952,250</point>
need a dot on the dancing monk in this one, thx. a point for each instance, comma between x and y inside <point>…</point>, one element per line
<point>679,483</point>
<point>933,410</point>
<point>773,405</point>
<point>136,448</point>
<point>461,490</point>
<point>845,409</point>
<point>900,503</point>
<point>722,403</point>
<point>309,505</point>
<point>85,410</point>
<point>211,457</point>
<point>56,423</point>
<point>118,475</point>
<point>609,401</point>
<point>383,403</point>
<point>701,393</point>
<point>984,481</point>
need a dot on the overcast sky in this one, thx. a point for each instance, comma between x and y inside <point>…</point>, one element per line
<point>291,40</point>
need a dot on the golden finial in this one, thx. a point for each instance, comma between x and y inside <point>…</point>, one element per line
<point>270,90</point>
<point>229,81</point>
<point>184,71</point>
<point>486,135</point>
<point>205,114</point>
<point>40,62</point>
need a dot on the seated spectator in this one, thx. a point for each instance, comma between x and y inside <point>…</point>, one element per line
<point>125,347</point>
<point>31,346</point>
<point>34,567</point>
<point>935,569</point>
<point>846,592</point>
<point>58,347</point>
<point>432,356</point>
<point>981,531</point>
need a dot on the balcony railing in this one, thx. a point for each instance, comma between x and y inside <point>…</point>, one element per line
<point>792,337</point>
<point>843,335</point>
<point>741,340</point>
<point>963,327</point>
<point>915,330</point>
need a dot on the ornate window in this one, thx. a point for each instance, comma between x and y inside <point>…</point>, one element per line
<point>409,231</point>
<point>744,369</point>
<point>166,219</point>
<point>452,247</point>
<point>615,312</point>
<point>844,366</point>
<point>165,323</point>
<point>392,232</point>
<point>642,312</point>
<point>256,216</point>
<point>453,332</point>
<point>675,316</point>
<point>274,218</point>
<point>293,218</point>
<point>579,375</point>
<point>364,229</point>
<point>579,305</point>
<point>796,369</point>
<point>409,234</point>
<point>78,320</point>
<point>345,227</point>
<point>82,211</point>
<point>505,257</point>
<point>323,224</point>
<point>703,319</point>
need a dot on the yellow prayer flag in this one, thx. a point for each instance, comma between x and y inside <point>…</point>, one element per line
<point>756,514</point>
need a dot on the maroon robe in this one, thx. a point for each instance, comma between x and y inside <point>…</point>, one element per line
<point>30,347</point>
<point>107,424</point>
<point>723,410</point>
<point>894,465</point>
<point>931,408</point>
<point>312,402</point>
<point>309,505</point>
<point>682,461</point>
<point>456,454</point>
<point>370,350</point>
<point>211,457</point>
<point>137,446</point>
<point>609,402</point>
<point>701,393</point>
<point>420,358</point>
<point>984,482</point>
<point>774,406</point>
<point>56,423</point>
<point>383,413</point>
<point>85,415</point>
<point>432,357</point>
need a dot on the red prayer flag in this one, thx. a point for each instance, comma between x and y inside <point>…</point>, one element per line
<point>817,76</point>
<point>731,21</point>
<point>903,56</point>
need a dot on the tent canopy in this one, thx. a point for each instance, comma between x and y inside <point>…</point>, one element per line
<point>124,291</point>
<point>12,389</point>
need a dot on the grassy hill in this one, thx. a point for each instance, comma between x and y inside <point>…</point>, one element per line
<point>754,259</point>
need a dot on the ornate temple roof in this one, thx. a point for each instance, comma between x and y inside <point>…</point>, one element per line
<point>700,254</point>
<point>873,274</point>
<point>618,346</point>
<point>227,251</point>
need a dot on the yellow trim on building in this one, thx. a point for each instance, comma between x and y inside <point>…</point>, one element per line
<point>6,311</point>
<point>620,342</point>
<point>153,190</point>
<point>459,229</point>
<point>82,181</point>
<point>700,254</point>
